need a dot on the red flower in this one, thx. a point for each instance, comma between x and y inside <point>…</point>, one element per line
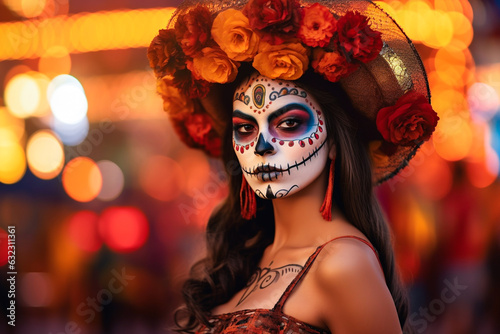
<point>192,87</point>
<point>165,55</point>
<point>357,38</point>
<point>317,25</point>
<point>196,130</point>
<point>410,120</point>
<point>332,65</point>
<point>276,20</point>
<point>192,30</point>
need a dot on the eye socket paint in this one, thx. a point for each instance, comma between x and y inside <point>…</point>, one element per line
<point>294,121</point>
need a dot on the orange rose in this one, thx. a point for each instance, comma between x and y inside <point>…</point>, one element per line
<point>232,32</point>
<point>286,61</point>
<point>317,25</point>
<point>213,65</point>
<point>175,103</point>
<point>332,65</point>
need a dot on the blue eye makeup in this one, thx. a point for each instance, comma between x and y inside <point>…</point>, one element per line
<point>294,121</point>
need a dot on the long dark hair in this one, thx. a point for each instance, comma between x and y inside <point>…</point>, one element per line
<point>235,246</point>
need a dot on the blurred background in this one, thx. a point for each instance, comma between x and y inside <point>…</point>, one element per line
<point>109,208</point>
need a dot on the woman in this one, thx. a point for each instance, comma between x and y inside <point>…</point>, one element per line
<point>321,95</point>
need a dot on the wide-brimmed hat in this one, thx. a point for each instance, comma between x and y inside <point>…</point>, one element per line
<point>354,43</point>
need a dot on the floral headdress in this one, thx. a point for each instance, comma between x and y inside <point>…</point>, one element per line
<point>354,43</point>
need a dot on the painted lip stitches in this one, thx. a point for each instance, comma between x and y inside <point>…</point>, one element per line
<point>267,172</point>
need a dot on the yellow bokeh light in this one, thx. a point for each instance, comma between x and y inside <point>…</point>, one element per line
<point>13,164</point>
<point>83,32</point>
<point>45,155</point>
<point>462,30</point>
<point>82,179</point>
<point>26,8</point>
<point>22,95</point>
<point>55,61</point>
<point>13,124</point>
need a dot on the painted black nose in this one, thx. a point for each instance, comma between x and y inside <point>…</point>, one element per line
<point>263,146</point>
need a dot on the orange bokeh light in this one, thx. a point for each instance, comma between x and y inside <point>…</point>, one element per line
<point>123,229</point>
<point>453,138</point>
<point>55,61</point>
<point>82,179</point>
<point>450,63</point>
<point>82,230</point>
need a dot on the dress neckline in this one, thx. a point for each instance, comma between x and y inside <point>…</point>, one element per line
<point>278,307</point>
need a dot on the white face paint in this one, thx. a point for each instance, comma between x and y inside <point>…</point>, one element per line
<point>278,135</point>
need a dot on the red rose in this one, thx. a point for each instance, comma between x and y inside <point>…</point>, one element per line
<point>276,20</point>
<point>191,86</point>
<point>192,30</point>
<point>196,130</point>
<point>317,25</point>
<point>410,120</point>
<point>332,65</point>
<point>357,38</point>
<point>165,55</point>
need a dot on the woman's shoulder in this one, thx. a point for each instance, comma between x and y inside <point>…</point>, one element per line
<point>349,254</point>
<point>352,285</point>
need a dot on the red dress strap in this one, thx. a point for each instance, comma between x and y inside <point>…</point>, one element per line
<point>307,266</point>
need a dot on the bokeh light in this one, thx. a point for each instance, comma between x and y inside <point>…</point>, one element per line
<point>26,8</point>
<point>14,124</point>
<point>12,156</point>
<point>112,180</point>
<point>67,99</point>
<point>453,138</point>
<point>71,134</point>
<point>45,155</point>
<point>27,39</point>
<point>3,247</point>
<point>22,95</point>
<point>123,229</point>
<point>161,177</point>
<point>36,289</point>
<point>55,61</point>
<point>83,231</point>
<point>82,179</point>
<point>483,101</point>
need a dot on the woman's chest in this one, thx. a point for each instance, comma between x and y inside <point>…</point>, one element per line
<point>263,290</point>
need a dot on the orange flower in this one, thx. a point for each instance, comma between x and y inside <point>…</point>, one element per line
<point>317,26</point>
<point>232,32</point>
<point>213,65</point>
<point>175,103</point>
<point>332,65</point>
<point>286,61</point>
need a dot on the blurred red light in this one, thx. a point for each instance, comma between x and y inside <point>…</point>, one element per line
<point>82,229</point>
<point>123,229</point>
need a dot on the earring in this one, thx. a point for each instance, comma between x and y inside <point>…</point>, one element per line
<point>326,207</point>
<point>248,203</point>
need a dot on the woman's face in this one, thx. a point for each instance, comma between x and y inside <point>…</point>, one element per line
<point>279,136</point>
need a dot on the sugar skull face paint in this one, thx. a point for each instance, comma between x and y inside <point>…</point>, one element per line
<point>278,135</point>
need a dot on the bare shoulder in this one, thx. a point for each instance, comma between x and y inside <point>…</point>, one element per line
<point>356,298</point>
<point>347,256</point>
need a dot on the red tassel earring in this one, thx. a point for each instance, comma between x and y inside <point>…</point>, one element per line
<point>326,207</point>
<point>248,203</point>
